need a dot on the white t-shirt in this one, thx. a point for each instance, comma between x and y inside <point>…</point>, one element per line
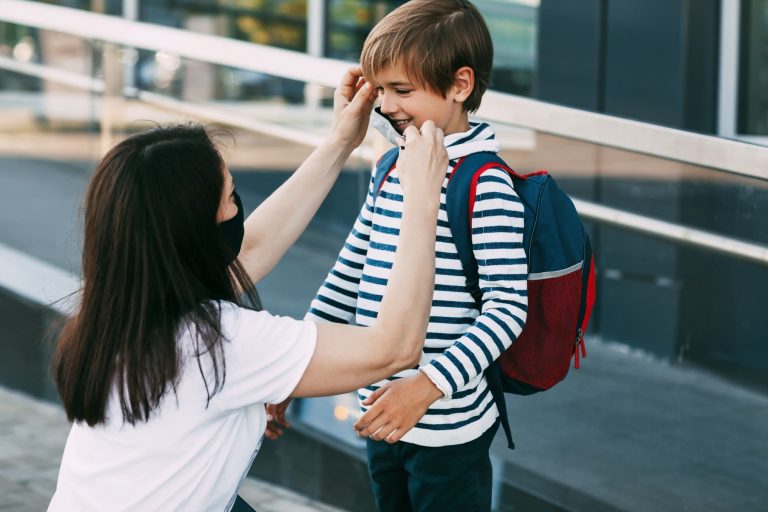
<point>187,456</point>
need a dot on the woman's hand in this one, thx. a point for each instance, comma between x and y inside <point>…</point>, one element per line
<point>422,162</point>
<point>352,104</point>
<point>276,419</point>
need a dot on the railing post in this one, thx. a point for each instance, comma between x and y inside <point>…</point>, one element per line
<point>316,11</point>
<point>130,55</point>
<point>729,68</point>
<point>111,100</point>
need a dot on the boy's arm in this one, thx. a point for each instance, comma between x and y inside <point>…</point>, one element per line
<point>497,243</point>
<point>336,300</point>
<point>497,240</point>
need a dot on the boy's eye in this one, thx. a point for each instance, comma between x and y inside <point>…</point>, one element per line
<point>402,91</point>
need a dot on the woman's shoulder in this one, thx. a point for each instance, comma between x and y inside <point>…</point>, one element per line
<point>231,316</point>
<point>239,322</point>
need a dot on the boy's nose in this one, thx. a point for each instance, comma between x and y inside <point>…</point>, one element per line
<point>388,104</point>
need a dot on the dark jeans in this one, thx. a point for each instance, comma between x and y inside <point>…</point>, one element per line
<point>241,506</point>
<point>410,478</point>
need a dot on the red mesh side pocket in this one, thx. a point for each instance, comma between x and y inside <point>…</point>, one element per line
<point>541,355</point>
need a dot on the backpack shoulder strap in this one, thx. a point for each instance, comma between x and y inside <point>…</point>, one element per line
<point>383,168</point>
<point>459,203</point>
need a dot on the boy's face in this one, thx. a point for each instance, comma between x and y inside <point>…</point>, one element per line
<point>407,103</point>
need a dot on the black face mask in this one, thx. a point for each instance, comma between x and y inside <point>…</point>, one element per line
<point>233,230</point>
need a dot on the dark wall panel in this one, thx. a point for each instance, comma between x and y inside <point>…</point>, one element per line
<point>645,60</point>
<point>568,69</point>
<point>702,69</point>
<point>650,60</point>
<point>27,332</point>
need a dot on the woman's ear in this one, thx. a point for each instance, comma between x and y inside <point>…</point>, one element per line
<point>463,83</point>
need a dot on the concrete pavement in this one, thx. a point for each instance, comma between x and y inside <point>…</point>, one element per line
<point>627,432</point>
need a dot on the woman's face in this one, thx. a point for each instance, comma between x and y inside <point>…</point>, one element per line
<point>227,206</point>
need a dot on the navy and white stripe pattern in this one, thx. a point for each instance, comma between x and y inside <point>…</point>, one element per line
<point>460,341</point>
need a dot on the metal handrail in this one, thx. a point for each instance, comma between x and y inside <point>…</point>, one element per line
<point>562,121</point>
<point>702,150</point>
<point>36,280</point>
<point>60,76</point>
<point>219,115</point>
<point>670,231</point>
<point>669,143</point>
<point>231,118</point>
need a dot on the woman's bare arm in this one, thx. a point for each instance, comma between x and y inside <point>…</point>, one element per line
<point>276,224</point>
<point>349,357</point>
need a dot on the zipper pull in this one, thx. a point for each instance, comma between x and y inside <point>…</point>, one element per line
<point>579,347</point>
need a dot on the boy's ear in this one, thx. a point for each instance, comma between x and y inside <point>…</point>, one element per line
<point>463,83</point>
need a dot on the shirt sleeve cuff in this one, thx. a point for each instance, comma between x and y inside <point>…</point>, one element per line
<point>438,380</point>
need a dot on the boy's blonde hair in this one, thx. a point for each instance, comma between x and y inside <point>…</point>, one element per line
<point>431,39</point>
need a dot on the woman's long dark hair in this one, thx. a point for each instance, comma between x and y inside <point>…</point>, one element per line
<point>153,257</point>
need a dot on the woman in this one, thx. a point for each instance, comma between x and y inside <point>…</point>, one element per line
<point>164,369</point>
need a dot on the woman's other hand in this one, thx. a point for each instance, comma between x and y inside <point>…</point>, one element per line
<point>352,104</point>
<point>276,419</point>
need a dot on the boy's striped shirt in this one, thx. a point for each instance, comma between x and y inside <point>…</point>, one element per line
<point>460,342</point>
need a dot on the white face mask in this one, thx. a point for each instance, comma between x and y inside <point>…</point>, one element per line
<point>382,124</point>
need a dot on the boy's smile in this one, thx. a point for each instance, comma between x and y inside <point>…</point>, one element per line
<point>405,102</point>
<point>400,124</point>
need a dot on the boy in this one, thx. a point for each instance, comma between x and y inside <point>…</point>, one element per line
<point>430,428</point>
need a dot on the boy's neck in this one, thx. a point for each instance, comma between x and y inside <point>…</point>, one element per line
<point>458,125</point>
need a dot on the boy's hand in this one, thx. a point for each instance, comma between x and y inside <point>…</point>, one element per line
<point>276,419</point>
<point>352,104</point>
<point>396,407</point>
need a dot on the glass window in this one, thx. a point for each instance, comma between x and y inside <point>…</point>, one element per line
<point>349,22</point>
<point>112,7</point>
<point>753,93</point>
<point>514,26</point>
<point>282,24</point>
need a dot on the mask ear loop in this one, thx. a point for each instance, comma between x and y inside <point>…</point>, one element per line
<point>233,230</point>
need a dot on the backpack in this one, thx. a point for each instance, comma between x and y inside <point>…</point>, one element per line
<point>561,275</point>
